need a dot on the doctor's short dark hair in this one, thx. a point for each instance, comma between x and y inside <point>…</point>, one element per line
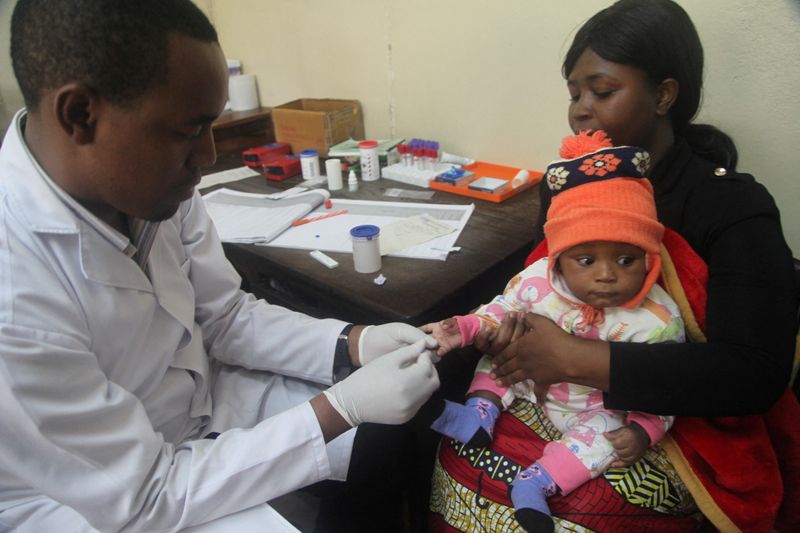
<point>116,47</point>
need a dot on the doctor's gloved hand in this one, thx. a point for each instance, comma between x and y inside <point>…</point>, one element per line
<point>375,341</point>
<point>388,391</point>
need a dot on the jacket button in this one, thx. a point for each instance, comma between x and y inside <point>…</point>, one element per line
<point>720,171</point>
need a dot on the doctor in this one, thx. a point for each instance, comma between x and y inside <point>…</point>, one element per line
<point>126,344</point>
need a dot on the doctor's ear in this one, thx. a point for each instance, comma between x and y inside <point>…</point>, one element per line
<point>75,111</point>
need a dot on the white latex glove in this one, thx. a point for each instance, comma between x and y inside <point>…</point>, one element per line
<point>390,390</point>
<point>376,341</point>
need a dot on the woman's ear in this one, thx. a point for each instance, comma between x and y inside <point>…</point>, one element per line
<point>75,110</point>
<point>666,94</point>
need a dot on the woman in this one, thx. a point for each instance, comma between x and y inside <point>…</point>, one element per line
<point>645,95</point>
<point>635,71</point>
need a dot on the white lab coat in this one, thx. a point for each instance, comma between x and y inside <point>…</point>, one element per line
<point>105,384</point>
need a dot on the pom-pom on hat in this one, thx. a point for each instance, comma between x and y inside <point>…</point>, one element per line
<point>600,193</point>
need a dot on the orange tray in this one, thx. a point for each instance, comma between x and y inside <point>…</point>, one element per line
<point>482,169</point>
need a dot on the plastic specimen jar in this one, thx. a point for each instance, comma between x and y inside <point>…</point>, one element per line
<point>309,164</point>
<point>366,248</point>
<point>333,169</point>
<point>370,164</point>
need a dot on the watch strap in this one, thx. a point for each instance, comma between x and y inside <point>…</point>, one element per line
<point>342,365</point>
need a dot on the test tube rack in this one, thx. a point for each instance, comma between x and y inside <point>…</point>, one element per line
<point>414,176</point>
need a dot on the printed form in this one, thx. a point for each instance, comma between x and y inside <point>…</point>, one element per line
<point>417,230</point>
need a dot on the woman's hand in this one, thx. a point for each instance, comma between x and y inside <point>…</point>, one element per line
<point>493,342</point>
<point>547,355</point>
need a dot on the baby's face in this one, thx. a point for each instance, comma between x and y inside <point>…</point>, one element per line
<point>603,273</point>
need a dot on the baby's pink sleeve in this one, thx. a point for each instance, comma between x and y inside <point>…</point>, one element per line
<point>469,326</point>
<point>655,426</point>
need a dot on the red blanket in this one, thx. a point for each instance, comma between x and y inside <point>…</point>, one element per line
<point>743,472</point>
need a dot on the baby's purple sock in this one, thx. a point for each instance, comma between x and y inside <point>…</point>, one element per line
<point>529,493</point>
<point>471,423</point>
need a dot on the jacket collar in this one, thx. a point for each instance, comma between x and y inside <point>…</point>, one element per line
<point>41,205</point>
<point>666,175</point>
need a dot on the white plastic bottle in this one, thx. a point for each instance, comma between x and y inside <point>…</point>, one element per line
<point>370,163</point>
<point>333,169</point>
<point>309,164</point>
<point>352,181</point>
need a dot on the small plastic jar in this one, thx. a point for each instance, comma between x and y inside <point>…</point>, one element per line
<point>333,169</point>
<point>366,248</point>
<point>309,164</point>
<point>370,163</point>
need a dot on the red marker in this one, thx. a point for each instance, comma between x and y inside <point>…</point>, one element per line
<point>321,217</point>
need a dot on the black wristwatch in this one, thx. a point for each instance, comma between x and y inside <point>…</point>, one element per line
<point>342,365</point>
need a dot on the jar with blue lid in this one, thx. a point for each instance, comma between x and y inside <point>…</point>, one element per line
<point>366,248</point>
<point>309,164</point>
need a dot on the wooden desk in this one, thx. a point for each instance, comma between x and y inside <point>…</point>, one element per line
<point>235,131</point>
<point>493,244</point>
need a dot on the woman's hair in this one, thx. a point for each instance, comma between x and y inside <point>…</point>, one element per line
<point>659,38</point>
<point>116,47</point>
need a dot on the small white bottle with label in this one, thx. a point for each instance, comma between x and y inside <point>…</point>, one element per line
<point>309,164</point>
<point>370,162</point>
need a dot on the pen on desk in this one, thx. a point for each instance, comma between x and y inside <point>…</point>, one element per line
<point>302,221</point>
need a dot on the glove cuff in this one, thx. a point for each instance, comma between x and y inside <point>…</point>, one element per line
<point>362,356</point>
<point>332,395</point>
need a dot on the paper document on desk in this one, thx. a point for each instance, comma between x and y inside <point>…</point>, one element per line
<point>257,218</point>
<point>411,231</point>
<point>333,234</point>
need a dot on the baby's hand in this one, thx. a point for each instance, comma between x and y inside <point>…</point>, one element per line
<point>446,333</point>
<point>630,442</point>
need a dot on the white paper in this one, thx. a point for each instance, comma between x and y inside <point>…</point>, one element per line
<point>407,232</point>
<point>333,234</point>
<point>226,176</point>
<point>256,218</point>
<point>394,192</point>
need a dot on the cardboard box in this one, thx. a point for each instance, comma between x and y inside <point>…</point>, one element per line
<point>310,123</point>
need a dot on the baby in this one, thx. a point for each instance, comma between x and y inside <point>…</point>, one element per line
<point>598,282</point>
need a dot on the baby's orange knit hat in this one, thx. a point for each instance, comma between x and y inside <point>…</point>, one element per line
<point>600,193</point>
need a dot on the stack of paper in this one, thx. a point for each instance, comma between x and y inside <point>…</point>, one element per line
<point>257,218</point>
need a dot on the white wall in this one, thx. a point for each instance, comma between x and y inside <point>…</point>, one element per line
<point>483,77</point>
